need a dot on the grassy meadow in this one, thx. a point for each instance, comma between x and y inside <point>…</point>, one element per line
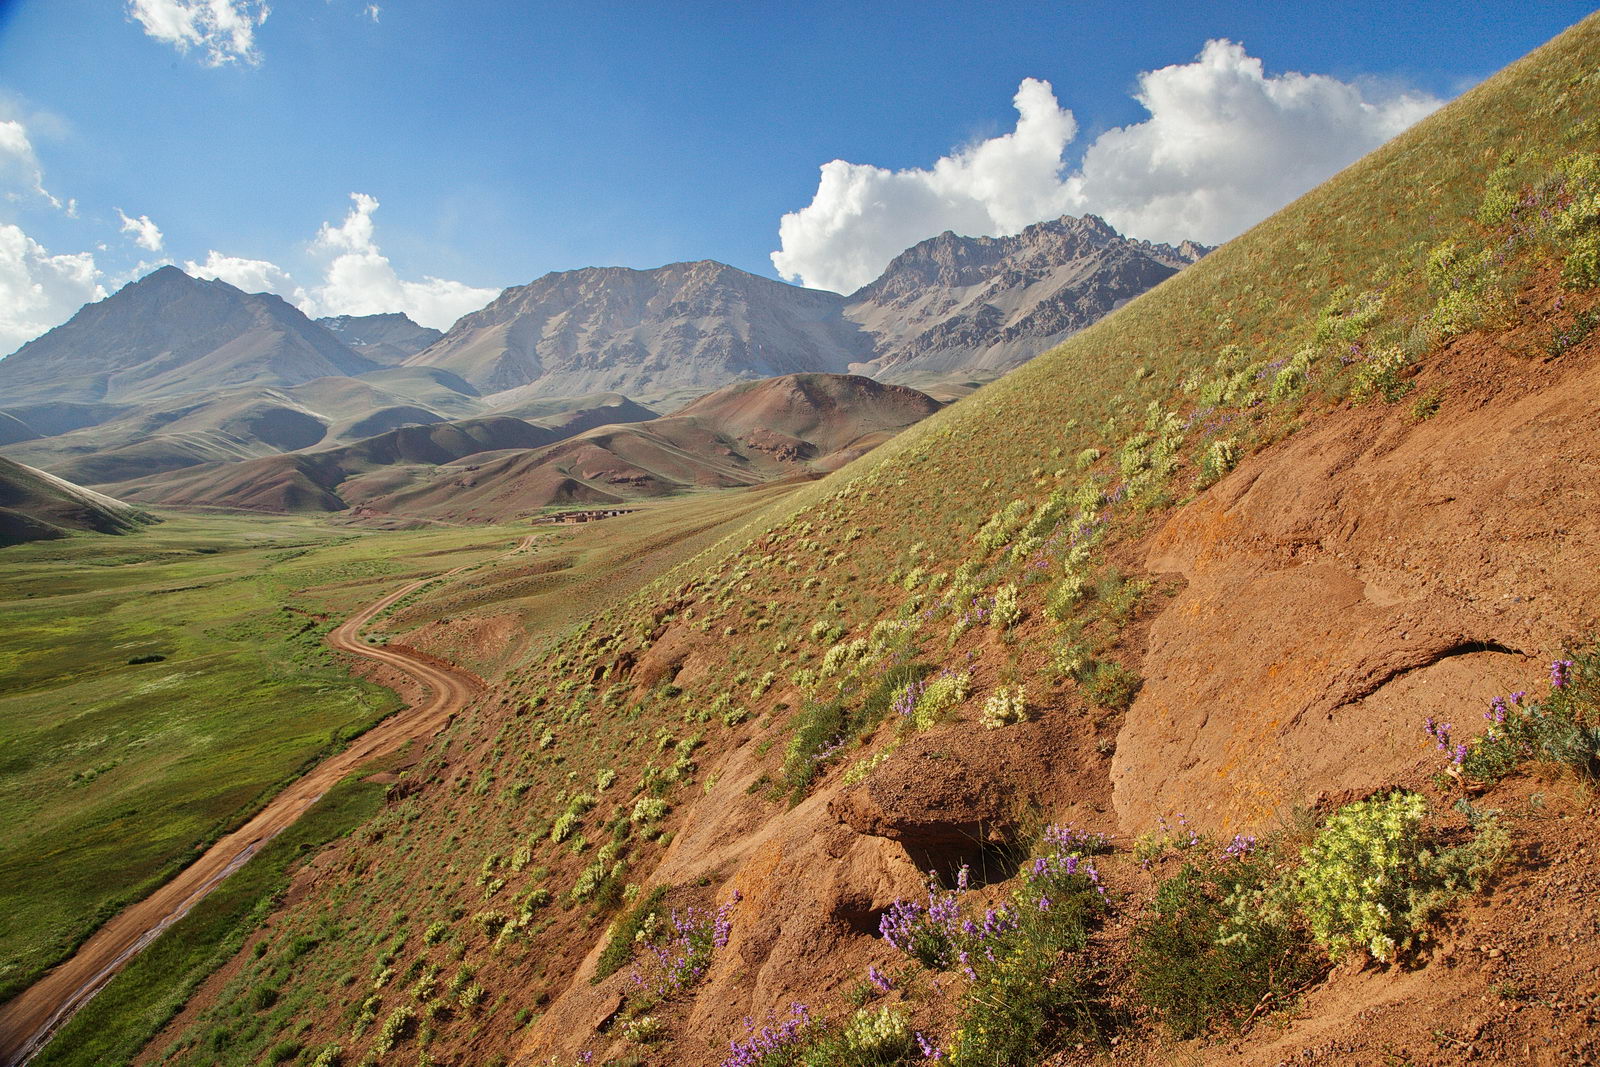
<point>155,688</point>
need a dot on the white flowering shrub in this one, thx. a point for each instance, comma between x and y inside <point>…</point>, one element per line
<point>1006,610</point>
<point>1371,879</point>
<point>939,697</point>
<point>1006,706</point>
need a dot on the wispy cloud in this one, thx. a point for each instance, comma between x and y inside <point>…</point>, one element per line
<point>19,164</point>
<point>222,30</point>
<point>1225,145</point>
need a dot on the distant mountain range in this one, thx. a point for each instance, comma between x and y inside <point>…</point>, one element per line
<point>388,339</point>
<point>168,335</point>
<point>965,305</point>
<point>947,306</point>
<point>173,373</point>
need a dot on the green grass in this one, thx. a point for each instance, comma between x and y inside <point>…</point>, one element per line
<point>113,773</point>
<point>116,1024</point>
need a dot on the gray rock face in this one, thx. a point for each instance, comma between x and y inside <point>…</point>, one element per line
<point>948,305</point>
<point>960,304</point>
<point>169,334</point>
<point>389,339</point>
<point>647,332</point>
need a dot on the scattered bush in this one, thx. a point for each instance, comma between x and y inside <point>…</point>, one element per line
<point>1108,684</point>
<point>625,931</point>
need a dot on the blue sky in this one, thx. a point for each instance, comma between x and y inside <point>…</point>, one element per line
<point>498,141</point>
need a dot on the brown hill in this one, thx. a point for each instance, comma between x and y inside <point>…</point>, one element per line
<point>35,506</point>
<point>499,468</point>
<point>312,481</point>
<point>143,440</point>
<point>744,434</point>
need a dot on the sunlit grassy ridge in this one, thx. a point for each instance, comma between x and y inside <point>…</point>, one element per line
<point>985,541</point>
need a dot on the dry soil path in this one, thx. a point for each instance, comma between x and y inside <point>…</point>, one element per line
<point>27,1021</point>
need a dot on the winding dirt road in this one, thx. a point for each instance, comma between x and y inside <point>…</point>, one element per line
<point>27,1022</point>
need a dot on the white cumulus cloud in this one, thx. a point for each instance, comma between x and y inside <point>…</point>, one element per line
<point>1225,145</point>
<point>358,278</point>
<point>39,291</point>
<point>145,233</point>
<point>19,164</point>
<point>251,275</point>
<point>224,30</point>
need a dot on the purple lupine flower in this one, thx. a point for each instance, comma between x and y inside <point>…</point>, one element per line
<point>1497,711</point>
<point>930,1049</point>
<point>1560,673</point>
<point>879,980</point>
<point>1241,846</point>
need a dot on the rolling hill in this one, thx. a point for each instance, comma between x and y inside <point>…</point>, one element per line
<point>741,435</point>
<point>35,506</point>
<point>499,468</point>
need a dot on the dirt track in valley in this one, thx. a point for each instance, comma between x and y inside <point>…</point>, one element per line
<point>27,1021</point>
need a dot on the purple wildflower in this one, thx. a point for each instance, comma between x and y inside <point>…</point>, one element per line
<point>1241,846</point>
<point>879,980</point>
<point>930,1049</point>
<point>1560,673</point>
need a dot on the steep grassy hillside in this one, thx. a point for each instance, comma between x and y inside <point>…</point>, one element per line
<point>1148,652</point>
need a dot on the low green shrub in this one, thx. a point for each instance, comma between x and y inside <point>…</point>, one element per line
<point>1200,959</point>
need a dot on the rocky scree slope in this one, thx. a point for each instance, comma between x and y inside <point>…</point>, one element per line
<point>1238,547</point>
<point>986,304</point>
